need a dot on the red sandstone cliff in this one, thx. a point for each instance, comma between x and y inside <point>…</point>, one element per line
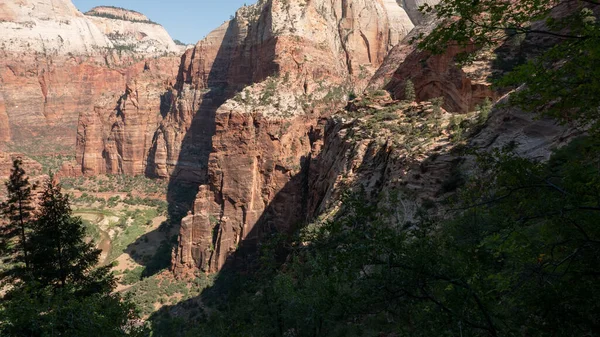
<point>43,98</point>
<point>57,65</point>
<point>31,166</point>
<point>252,159</point>
<point>116,135</point>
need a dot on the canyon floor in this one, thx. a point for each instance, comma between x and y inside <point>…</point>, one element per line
<point>127,219</point>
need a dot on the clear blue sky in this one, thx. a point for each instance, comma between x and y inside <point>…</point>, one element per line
<point>185,20</point>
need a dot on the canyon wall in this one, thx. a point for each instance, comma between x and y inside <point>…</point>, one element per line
<point>115,136</point>
<point>314,45</point>
<point>43,97</point>
<point>265,80</point>
<point>30,166</point>
<point>243,118</point>
<point>60,73</point>
<point>400,171</point>
<point>4,127</point>
<point>439,76</point>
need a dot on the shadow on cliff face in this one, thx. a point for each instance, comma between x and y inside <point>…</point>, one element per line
<point>191,167</point>
<point>190,170</point>
<point>235,66</point>
<point>283,216</point>
<point>245,267</point>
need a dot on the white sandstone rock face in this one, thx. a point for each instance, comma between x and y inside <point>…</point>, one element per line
<point>400,23</point>
<point>138,37</point>
<point>360,32</point>
<point>412,8</point>
<point>117,12</point>
<point>130,30</point>
<point>56,27</point>
<point>48,26</point>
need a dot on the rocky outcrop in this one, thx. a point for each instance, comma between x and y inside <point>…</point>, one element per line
<point>412,9</point>
<point>118,13</point>
<point>362,152</point>
<point>434,75</point>
<point>440,76</point>
<point>132,31</point>
<point>316,45</point>
<point>115,137</point>
<point>397,55</point>
<point>253,187</point>
<point>400,22</point>
<point>531,136</point>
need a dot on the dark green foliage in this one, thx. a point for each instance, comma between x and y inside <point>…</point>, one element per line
<point>409,91</point>
<point>63,293</point>
<point>484,111</point>
<point>160,205</point>
<point>268,91</point>
<point>115,183</point>
<point>131,276</point>
<point>124,47</point>
<point>59,254</point>
<point>161,259</point>
<point>41,312</point>
<point>17,211</point>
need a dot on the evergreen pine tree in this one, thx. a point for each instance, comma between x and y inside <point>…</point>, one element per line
<point>59,255</point>
<point>409,91</point>
<point>18,215</point>
<point>66,295</point>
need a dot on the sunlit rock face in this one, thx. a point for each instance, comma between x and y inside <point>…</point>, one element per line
<point>133,31</point>
<point>48,27</point>
<point>249,153</point>
<point>59,67</point>
<point>439,76</point>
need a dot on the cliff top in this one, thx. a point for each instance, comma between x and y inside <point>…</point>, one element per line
<point>119,13</point>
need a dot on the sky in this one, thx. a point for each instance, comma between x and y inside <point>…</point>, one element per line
<point>186,20</point>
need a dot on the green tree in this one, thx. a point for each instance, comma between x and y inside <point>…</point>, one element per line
<point>34,311</point>
<point>60,256</point>
<point>67,294</point>
<point>484,110</point>
<point>18,211</point>
<point>409,91</point>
